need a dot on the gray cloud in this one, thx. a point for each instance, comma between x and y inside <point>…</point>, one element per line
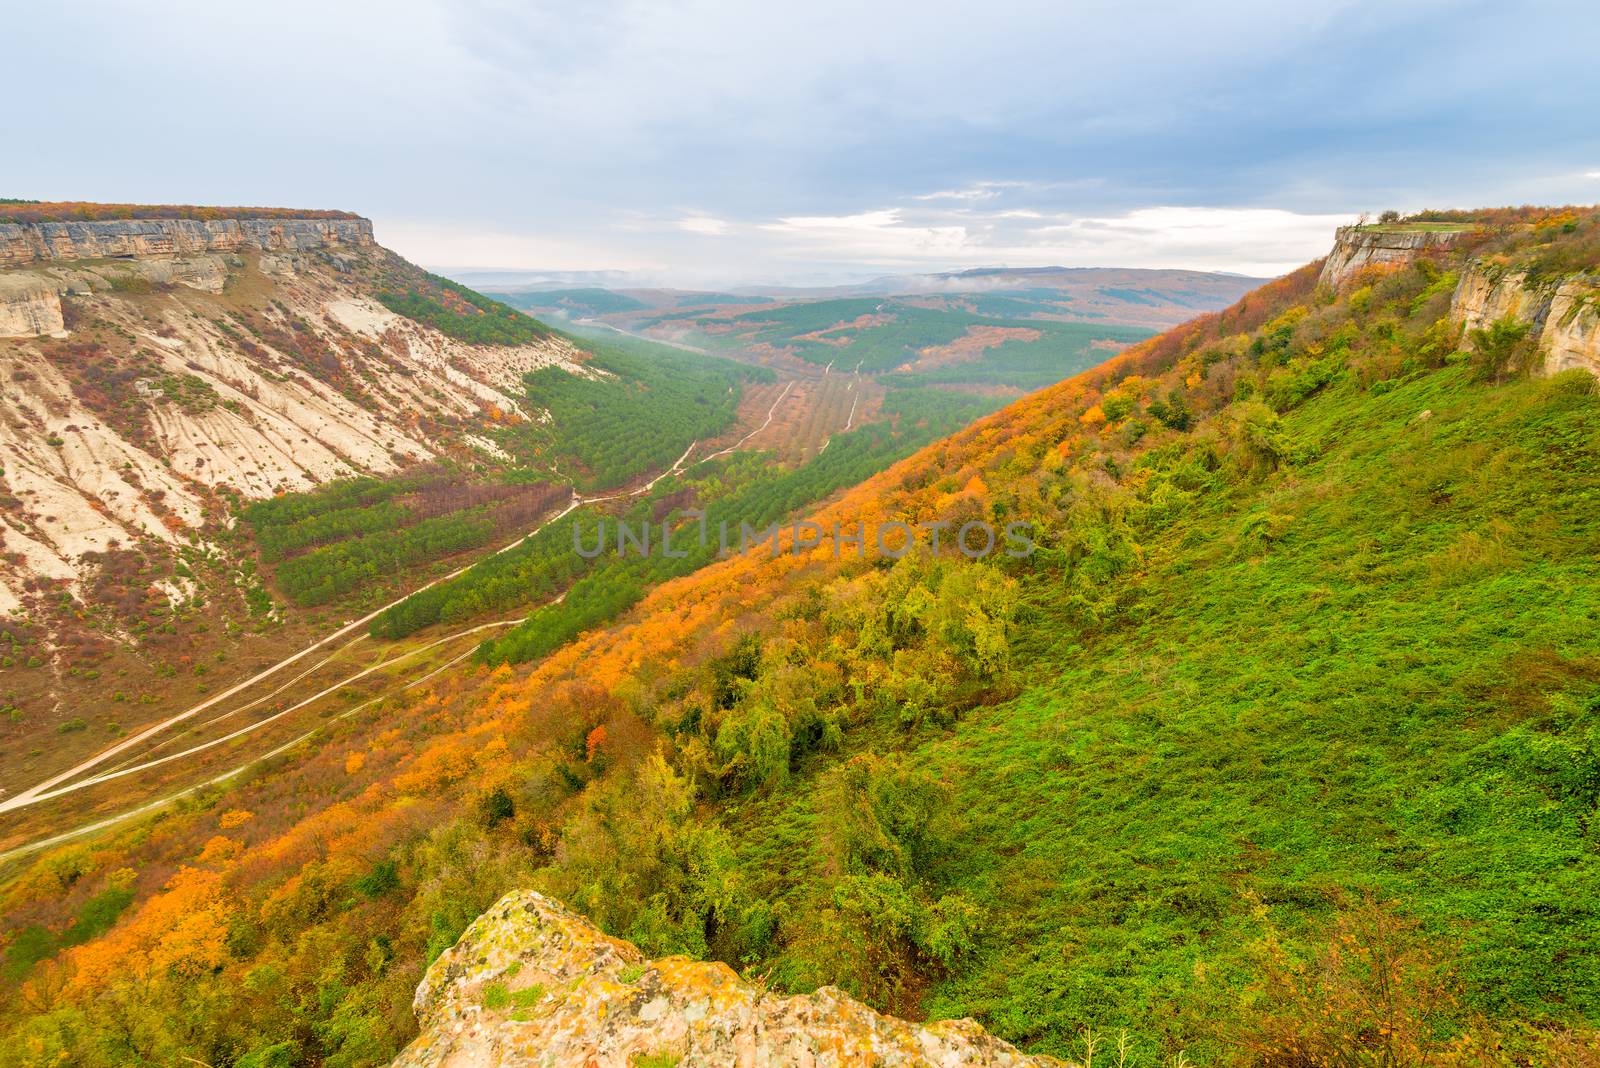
<point>732,141</point>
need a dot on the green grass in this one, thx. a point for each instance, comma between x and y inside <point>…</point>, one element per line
<point>1395,694</point>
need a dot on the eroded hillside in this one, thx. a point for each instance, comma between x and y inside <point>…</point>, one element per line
<point>157,376</point>
<point>168,383</point>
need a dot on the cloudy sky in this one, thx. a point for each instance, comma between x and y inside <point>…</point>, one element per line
<point>712,142</point>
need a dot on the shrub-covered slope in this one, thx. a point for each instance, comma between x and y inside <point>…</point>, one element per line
<point>1280,749</point>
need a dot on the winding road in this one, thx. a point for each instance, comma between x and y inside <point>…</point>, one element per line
<point>71,780</point>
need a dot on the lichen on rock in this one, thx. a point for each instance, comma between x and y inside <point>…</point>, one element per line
<point>533,983</point>
<point>1564,314</point>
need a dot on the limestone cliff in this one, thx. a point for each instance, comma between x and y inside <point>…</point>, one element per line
<point>531,983</point>
<point>1357,247</point>
<point>24,243</point>
<point>1564,313</point>
<point>178,360</point>
<point>29,306</point>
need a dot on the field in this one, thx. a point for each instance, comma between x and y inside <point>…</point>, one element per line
<point>805,413</point>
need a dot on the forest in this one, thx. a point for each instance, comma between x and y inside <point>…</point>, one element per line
<point>737,489</point>
<point>754,498</point>
<point>361,538</point>
<point>461,313</point>
<point>643,409</point>
<point>572,302</point>
<point>367,536</point>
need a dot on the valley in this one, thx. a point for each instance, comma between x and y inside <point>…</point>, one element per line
<point>270,601</point>
<point>1299,676</point>
<point>726,535</point>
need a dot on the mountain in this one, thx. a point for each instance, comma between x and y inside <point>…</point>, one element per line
<point>1280,746</point>
<point>155,368</point>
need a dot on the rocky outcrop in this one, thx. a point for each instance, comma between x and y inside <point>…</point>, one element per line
<point>1571,335</point>
<point>25,243</point>
<point>29,306</point>
<point>1564,314</point>
<point>1358,247</point>
<point>532,983</point>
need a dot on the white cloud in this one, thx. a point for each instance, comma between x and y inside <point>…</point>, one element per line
<point>454,246</point>
<point>879,238</point>
<point>906,239</point>
<point>981,191</point>
<point>705,224</point>
<point>1591,174</point>
<point>865,220</point>
<point>1259,241</point>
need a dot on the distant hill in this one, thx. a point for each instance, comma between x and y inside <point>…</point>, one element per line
<point>573,303</point>
<point>1122,295</point>
<point>927,340</point>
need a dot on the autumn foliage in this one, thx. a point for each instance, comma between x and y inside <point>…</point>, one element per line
<point>82,211</point>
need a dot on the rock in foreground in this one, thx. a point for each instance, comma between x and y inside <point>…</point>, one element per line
<point>532,983</point>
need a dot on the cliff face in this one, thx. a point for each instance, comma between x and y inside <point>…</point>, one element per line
<point>1356,247</point>
<point>531,983</point>
<point>27,243</point>
<point>1564,314</point>
<point>29,306</point>
<point>136,387</point>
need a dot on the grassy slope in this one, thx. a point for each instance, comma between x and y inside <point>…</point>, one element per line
<point>1354,704</point>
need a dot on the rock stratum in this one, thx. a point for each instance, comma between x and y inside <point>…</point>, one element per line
<point>1358,247</point>
<point>24,243</point>
<point>1564,313</point>
<point>532,983</point>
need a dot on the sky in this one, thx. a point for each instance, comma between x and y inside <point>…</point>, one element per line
<point>716,143</point>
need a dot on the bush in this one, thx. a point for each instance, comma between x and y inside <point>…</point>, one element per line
<point>1498,348</point>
